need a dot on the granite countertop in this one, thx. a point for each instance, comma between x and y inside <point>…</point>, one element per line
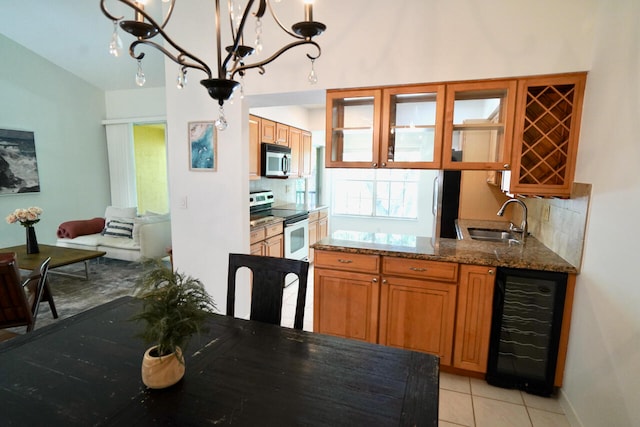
<point>266,223</point>
<point>311,207</point>
<point>530,255</point>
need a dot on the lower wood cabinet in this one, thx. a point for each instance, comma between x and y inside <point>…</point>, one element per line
<point>473,317</point>
<point>418,315</point>
<point>346,304</point>
<point>267,240</point>
<point>318,228</point>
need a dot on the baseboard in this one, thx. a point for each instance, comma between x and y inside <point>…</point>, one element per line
<point>569,412</point>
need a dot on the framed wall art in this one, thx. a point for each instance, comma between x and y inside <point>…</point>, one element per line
<point>18,163</point>
<point>203,155</point>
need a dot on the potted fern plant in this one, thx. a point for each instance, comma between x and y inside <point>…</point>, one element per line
<point>174,307</point>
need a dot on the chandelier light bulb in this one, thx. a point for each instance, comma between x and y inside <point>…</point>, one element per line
<point>140,77</point>
<point>115,45</point>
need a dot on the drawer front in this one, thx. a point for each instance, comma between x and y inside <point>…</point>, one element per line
<point>420,269</point>
<point>273,230</point>
<point>347,261</point>
<point>313,216</point>
<point>323,213</point>
<point>257,235</point>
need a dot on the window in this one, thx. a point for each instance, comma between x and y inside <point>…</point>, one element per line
<point>383,193</point>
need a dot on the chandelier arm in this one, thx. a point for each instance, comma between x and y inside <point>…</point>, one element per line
<point>178,59</point>
<point>275,17</point>
<point>236,39</point>
<point>275,56</point>
<point>169,12</point>
<point>107,13</point>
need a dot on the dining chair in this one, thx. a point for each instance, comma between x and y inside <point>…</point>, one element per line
<point>20,299</point>
<point>267,287</point>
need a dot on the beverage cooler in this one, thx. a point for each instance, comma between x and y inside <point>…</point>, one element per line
<point>525,329</point>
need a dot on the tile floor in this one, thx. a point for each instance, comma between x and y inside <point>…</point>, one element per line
<point>464,401</point>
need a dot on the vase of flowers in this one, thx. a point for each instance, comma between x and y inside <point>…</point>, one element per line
<point>27,218</point>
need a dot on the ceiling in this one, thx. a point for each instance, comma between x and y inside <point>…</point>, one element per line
<point>74,34</point>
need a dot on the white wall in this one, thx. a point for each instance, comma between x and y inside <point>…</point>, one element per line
<point>65,114</point>
<point>451,40</point>
<point>602,381</point>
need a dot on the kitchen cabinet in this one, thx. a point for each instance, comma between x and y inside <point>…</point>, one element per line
<point>393,301</point>
<point>473,317</point>
<point>417,305</point>
<point>267,131</point>
<point>267,240</point>
<point>478,125</point>
<point>546,135</point>
<point>396,127</point>
<point>305,154</point>
<point>254,147</point>
<point>318,227</point>
<point>353,128</point>
<point>295,141</point>
<point>282,134</point>
<point>346,295</point>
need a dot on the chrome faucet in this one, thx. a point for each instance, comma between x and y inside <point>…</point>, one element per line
<point>523,226</point>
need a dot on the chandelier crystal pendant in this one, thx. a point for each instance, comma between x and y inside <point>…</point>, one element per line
<point>149,33</point>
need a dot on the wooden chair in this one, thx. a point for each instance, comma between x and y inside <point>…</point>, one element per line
<point>268,275</point>
<point>20,300</point>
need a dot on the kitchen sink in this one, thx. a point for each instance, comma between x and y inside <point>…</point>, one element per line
<point>491,235</point>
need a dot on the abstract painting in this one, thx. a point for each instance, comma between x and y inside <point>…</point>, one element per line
<point>18,164</point>
<point>202,146</point>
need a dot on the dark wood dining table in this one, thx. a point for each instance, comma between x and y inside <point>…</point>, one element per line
<point>85,370</point>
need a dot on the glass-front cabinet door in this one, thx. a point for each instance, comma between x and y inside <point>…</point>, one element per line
<point>412,127</point>
<point>478,125</point>
<point>353,128</point>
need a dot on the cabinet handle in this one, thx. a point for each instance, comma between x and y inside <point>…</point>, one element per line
<point>417,269</point>
<point>506,166</point>
<point>345,261</point>
<point>384,165</point>
<point>374,280</point>
<point>384,281</point>
<point>375,165</point>
<point>490,272</point>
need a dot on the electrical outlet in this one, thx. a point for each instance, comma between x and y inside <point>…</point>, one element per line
<point>287,188</point>
<point>546,213</point>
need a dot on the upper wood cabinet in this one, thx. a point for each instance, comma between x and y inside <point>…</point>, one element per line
<point>254,147</point>
<point>353,128</point>
<point>267,131</point>
<point>398,127</point>
<point>478,125</point>
<point>282,134</point>
<point>272,132</point>
<point>412,126</point>
<point>546,134</point>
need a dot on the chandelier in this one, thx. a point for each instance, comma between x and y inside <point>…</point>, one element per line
<point>221,88</point>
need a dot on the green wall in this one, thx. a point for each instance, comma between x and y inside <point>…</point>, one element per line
<point>151,168</point>
<point>65,114</point>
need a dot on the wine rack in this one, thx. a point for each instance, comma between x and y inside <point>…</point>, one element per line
<point>546,137</point>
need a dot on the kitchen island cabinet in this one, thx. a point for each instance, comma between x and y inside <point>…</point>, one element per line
<point>422,294</point>
<point>473,317</point>
<point>417,305</point>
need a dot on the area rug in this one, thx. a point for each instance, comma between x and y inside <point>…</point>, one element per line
<point>108,279</point>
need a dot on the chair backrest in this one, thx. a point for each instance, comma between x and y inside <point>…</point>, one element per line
<point>268,280</point>
<point>16,307</point>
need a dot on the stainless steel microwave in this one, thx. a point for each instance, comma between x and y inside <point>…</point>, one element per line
<point>276,160</point>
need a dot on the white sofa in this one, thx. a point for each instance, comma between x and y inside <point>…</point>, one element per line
<point>150,236</point>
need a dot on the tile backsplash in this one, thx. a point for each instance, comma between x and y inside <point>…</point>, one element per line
<point>284,190</point>
<point>564,230</point>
